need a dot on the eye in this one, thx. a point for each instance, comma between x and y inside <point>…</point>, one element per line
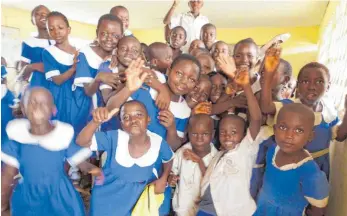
<point>233,132</point>
<point>179,74</point>
<point>194,134</point>
<point>282,127</point>
<point>237,56</point>
<point>304,81</point>
<point>299,130</point>
<point>205,134</point>
<point>116,36</point>
<point>125,117</point>
<point>320,82</point>
<point>139,115</point>
<point>192,80</point>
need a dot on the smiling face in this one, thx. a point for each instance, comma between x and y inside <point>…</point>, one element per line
<point>134,118</point>
<point>201,92</point>
<point>58,29</point>
<point>129,49</point>
<point>218,87</point>
<point>40,17</point>
<point>178,38</point>
<point>109,33</point>
<point>245,54</point>
<point>207,63</point>
<point>231,131</point>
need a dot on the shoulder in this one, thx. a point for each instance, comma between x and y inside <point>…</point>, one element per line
<point>92,59</point>
<point>36,42</point>
<point>184,147</point>
<point>58,55</point>
<point>180,109</point>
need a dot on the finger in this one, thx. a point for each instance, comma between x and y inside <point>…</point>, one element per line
<point>113,112</point>
<point>97,116</point>
<point>104,114</point>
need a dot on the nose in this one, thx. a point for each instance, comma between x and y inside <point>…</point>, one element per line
<point>289,134</point>
<point>244,59</point>
<point>200,137</point>
<point>311,85</point>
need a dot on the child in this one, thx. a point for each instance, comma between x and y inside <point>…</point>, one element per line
<point>144,48</point>
<point>220,49</point>
<point>178,38</point>
<point>219,82</point>
<point>133,154</point>
<point>87,80</point>
<point>38,148</point>
<point>59,63</point>
<point>225,186</point>
<point>207,63</point>
<point>8,102</point>
<point>123,14</point>
<point>292,179</point>
<point>160,56</point>
<point>32,48</point>
<point>208,35</point>
<point>190,164</point>
<point>313,82</point>
<point>198,51</point>
<point>201,92</point>
<point>196,44</point>
<point>288,90</point>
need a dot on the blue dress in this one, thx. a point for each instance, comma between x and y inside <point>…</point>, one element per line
<point>125,177</point>
<point>3,72</point>
<point>56,62</point>
<point>289,189</point>
<point>32,53</point>
<point>45,189</point>
<point>8,101</point>
<point>86,71</point>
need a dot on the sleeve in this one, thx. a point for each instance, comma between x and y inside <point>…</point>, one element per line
<point>175,21</point>
<point>181,125</point>
<point>25,55</point>
<point>49,64</point>
<point>252,146</point>
<point>161,77</point>
<point>3,71</point>
<point>102,141</point>
<point>10,153</point>
<point>76,154</point>
<point>104,67</point>
<point>166,153</point>
<point>315,186</point>
<point>177,162</point>
<point>83,73</point>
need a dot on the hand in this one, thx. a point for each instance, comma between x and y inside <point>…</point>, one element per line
<point>175,3</point>
<point>75,59</point>
<point>163,99</point>
<point>99,175</point>
<point>227,65</point>
<point>102,114</point>
<point>203,107</point>
<point>17,112</point>
<point>272,59</point>
<point>230,89</point>
<point>114,61</point>
<point>167,119</point>
<point>242,77</point>
<point>173,179</point>
<point>159,185</point>
<point>239,101</point>
<point>111,79</point>
<point>135,76</point>
<point>188,154</point>
<point>151,75</point>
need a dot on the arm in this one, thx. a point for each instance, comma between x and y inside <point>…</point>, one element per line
<point>7,180</point>
<point>84,138</point>
<point>60,79</point>
<point>167,18</point>
<point>172,138</point>
<point>238,101</point>
<point>91,88</point>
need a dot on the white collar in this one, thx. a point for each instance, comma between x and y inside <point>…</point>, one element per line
<point>93,59</point>
<point>57,140</point>
<point>189,13</point>
<point>124,158</point>
<point>60,56</point>
<point>292,165</point>
<point>3,90</point>
<point>38,42</point>
<point>180,109</point>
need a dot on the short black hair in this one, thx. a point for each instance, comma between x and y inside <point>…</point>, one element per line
<point>287,67</point>
<point>109,17</point>
<point>214,73</point>
<point>314,65</point>
<point>179,27</point>
<point>298,108</point>
<point>208,25</point>
<point>58,14</point>
<point>246,41</point>
<point>133,102</point>
<point>186,57</point>
<point>129,37</point>
<point>118,7</point>
<point>235,117</point>
<point>152,47</point>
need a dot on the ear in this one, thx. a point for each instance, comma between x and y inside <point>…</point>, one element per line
<point>69,30</point>
<point>54,111</point>
<point>154,62</point>
<point>328,87</point>
<point>149,120</point>
<point>286,79</point>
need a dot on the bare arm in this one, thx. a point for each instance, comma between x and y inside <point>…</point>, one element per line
<point>60,79</point>
<point>254,111</point>
<point>167,18</point>
<point>84,138</point>
<point>7,180</point>
<point>173,139</point>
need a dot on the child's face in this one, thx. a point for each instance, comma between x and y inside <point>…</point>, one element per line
<point>196,44</point>
<point>134,119</point>
<point>177,38</point>
<point>123,15</point>
<point>220,49</point>
<point>40,17</point>
<point>207,63</point>
<point>231,132</point>
<point>288,90</point>
<point>201,92</point>
<point>195,5</point>
<point>312,85</point>
<point>39,107</point>
<point>109,33</point>
<point>292,131</point>
<point>218,87</point>
<point>245,55</point>
<point>183,77</point>
<point>200,134</point>
<point>58,29</point>
<point>129,49</point>
<point>208,36</point>
<point>164,62</point>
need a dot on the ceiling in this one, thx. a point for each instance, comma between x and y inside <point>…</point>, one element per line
<point>146,14</point>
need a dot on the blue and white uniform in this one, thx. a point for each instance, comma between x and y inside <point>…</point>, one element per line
<point>8,101</point>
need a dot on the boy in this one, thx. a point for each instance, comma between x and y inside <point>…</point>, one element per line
<point>207,63</point>
<point>178,38</point>
<point>122,13</point>
<point>208,35</point>
<point>159,56</point>
<point>196,44</point>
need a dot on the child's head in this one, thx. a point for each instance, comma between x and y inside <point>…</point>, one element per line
<point>58,27</point>
<point>195,6</point>
<point>201,92</point>
<point>200,131</point>
<point>232,129</point>
<point>38,105</point>
<point>109,31</point>
<point>207,63</point>
<point>220,48</point>
<point>198,51</point>
<point>219,82</point>
<point>208,35</point>
<point>196,44</point>
<point>39,16</point>
<point>160,56</point>
<point>178,37</point>
<point>123,14</point>
<point>288,90</point>
<point>134,118</point>
<point>313,82</point>
<point>294,127</point>
<point>128,49</point>
<point>245,53</point>
<point>144,49</point>
<point>183,75</point>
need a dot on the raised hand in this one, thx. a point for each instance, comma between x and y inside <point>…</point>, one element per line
<point>242,77</point>
<point>102,114</point>
<point>175,3</point>
<point>227,65</point>
<point>203,107</point>
<point>135,77</point>
<point>272,59</point>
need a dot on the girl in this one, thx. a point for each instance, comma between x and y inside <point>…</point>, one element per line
<point>38,147</point>
<point>32,48</point>
<point>292,179</point>
<point>86,83</point>
<point>59,62</point>
<point>8,102</point>
<point>133,154</point>
<point>201,92</point>
<point>313,82</point>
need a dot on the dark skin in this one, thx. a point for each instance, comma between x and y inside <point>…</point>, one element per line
<point>195,7</point>
<point>196,44</point>
<point>177,41</point>
<point>246,54</point>
<point>208,36</point>
<point>207,63</point>
<point>59,31</point>
<point>201,92</point>
<point>160,57</point>
<point>218,86</point>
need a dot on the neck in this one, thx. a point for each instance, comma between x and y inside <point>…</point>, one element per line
<point>43,34</point>
<point>138,140</point>
<point>316,106</point>
<point>202,152</point>
<point>195,14</point>
<point>64,45</point>
<point>102,53</point>
<point>174,98</point>
<point>41,129</point>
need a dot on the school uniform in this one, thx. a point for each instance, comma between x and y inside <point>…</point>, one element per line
<point>32,53</point>
<point>288,190</point>
<point>187,190</point>
<point>57,62</point>
<point>45,188</point>
<point>125,177</point>
<point>8,101</point>
<point>3,72</point>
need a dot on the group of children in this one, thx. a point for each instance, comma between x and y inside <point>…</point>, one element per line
<point>217,131</point>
